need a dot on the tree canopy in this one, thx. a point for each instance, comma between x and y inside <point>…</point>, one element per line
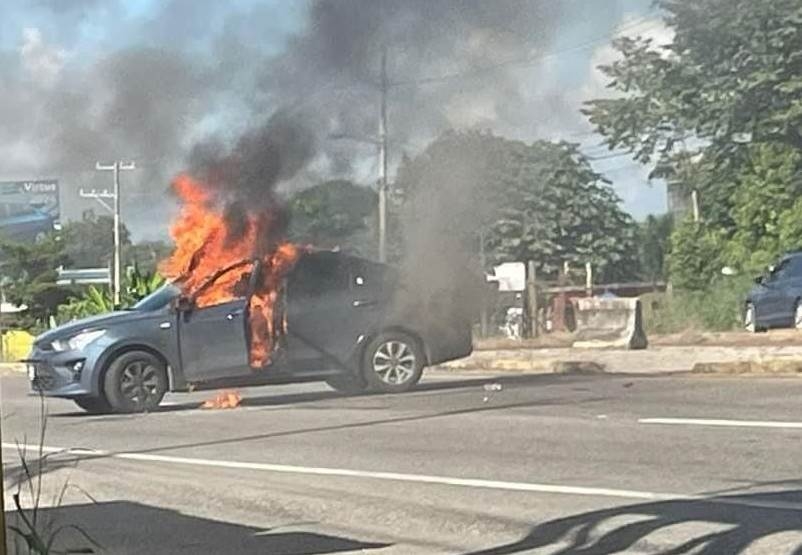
<point>717,110</point>
<point>334,214</point>
<point>539,201</point>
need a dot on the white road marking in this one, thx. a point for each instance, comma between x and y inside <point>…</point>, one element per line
<point>721,422</point>
<point>88,454</point>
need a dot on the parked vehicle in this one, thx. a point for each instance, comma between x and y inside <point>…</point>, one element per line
<point>775,301</point>
<point>25,223</point>
<point>345,326</point>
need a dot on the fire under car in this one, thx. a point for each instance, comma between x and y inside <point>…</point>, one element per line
<point>348,322</point>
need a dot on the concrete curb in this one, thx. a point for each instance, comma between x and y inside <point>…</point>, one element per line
<point>786,360</point>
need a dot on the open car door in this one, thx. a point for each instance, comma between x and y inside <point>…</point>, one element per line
<point>213,339</point>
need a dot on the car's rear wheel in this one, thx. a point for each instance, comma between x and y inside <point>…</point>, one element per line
<point>347,384</point>
<point>93,405</point>
<point>135,381</point>
<point>393,362</point>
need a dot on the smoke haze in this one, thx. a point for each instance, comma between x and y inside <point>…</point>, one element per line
<point>86,81</point>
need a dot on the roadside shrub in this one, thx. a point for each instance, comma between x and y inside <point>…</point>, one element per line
<point>716,308</point>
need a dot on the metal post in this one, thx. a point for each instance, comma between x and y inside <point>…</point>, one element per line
<point>588,279</point>
<point>531,296</point>
<point>383,161</point>
<point>483,262</point>
<point>117,234</point>
<point>116,167</point>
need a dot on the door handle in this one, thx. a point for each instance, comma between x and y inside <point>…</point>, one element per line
<point>231,315</point>
<point>359,303</point>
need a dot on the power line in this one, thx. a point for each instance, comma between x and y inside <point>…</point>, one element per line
<point>528,60</point>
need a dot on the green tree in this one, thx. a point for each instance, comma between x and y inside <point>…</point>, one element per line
<point>694,261</point>
<point>30,272</point>
<point>733,67</point>
<point>335,214</point>
<point>541,201</point>
<point>767,188</point>
<point>653,238</point>
<point>146,255</point>
<point>731,75</point>
<point>89,243</point>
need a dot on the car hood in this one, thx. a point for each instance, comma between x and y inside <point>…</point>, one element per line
<point>93,322</point>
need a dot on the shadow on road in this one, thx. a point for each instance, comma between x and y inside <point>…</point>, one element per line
<point>315,396</point>
<point>124,527</point>
<point>730,523</point>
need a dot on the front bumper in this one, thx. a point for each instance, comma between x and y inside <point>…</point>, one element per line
<point>59,374</point>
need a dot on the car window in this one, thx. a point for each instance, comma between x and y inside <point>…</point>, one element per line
<point>795,267</point>
<point>159,298</point>
<point>780,271</point>
<point>316,275</point>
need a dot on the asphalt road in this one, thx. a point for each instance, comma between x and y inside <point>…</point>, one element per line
<point>545,464</point>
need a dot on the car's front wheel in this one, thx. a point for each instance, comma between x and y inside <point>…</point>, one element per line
<point>750,318</point>
<point>135,381</point>
<point>393,362</point>
<point>798,315</point>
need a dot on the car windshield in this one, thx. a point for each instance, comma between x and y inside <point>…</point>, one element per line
<point>160,298</point>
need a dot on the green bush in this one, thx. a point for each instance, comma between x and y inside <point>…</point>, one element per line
<point>717,308</point>
<point>97,300</point>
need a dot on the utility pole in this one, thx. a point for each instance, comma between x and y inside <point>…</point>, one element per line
<point>383,161</point>
<point>116,168</point>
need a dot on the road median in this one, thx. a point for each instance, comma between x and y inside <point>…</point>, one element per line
<point>764,360</point>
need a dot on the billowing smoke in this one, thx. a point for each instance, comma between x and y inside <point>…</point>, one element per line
<point>245,176</point>
<point>166,78</point>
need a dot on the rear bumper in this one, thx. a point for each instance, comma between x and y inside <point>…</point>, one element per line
<point>448,344</point>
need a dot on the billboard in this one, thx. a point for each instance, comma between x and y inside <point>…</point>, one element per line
<point>29,210</point>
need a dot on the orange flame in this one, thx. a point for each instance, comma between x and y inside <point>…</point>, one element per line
<point>205,247</point>
<point>223,400</point>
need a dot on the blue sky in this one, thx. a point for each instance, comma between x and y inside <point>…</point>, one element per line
<point>75,35</point>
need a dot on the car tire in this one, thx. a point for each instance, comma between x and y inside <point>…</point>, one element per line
<point>135,381</point>
<point>393,362</point>
<point>344,383</point>
<point>750,319</point>
<point>93,405</point>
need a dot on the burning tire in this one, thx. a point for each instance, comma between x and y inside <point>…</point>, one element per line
<point>136,381</point>
<point>393,363</point>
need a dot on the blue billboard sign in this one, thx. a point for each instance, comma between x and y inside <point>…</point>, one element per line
<point>29,210</point>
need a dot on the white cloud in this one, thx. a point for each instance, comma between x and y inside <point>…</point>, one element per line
<point>42,61</point>
<point>651,28</point>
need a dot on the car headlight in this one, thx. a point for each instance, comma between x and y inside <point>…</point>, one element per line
<point>77,342</point>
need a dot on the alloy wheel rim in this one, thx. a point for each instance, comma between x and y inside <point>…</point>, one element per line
<point>139,382</point>
<point>394,362</point>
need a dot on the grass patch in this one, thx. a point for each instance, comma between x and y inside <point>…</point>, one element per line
<point>717,308</point>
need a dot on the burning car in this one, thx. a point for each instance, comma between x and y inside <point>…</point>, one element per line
<point>332,317</point>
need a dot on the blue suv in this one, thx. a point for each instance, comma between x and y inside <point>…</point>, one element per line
<point>775,301</point>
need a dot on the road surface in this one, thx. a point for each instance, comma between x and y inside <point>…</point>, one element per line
<point>469,463</point>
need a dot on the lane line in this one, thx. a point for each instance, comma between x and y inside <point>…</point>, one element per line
<point>722,423</point>
<point>349,473</point>
<point>89,454</point>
